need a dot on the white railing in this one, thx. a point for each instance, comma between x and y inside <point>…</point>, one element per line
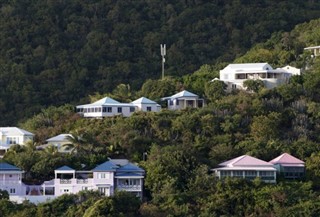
<point>6,182</point>
<point>65,181</point>
<point>82,181</point>
<point>129,187</point>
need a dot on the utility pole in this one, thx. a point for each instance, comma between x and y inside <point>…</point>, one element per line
<point>163,53</point>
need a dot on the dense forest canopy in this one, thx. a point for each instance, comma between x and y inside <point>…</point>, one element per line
<point>56,51</point>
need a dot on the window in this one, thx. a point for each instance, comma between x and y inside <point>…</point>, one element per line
<point>170,102</point>
<point>10,175</point>
<point>104,190</point>
<point>132,109</point>
<point>234,86</point>
<point>225,173</point>
<point>103,175</point>
<point>65,190</point>
<point>99,109</point>
<point>177,102</point>
<point>119,109</point>
<point>109,109</point>
<point>85,110</point>
<point>12,190</point>
<point>104,109</point>
<point>85,188</point>
<point>237,174</point>
<point>149,108</point>
<point>12,140</point>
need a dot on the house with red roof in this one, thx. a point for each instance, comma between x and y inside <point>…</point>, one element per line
<point>247,167</point>
<point>289,166</point>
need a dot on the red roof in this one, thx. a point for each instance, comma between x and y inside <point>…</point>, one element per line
<point>286,159</point>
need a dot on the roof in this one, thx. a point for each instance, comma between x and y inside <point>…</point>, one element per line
<point>181,94</point>
<point>130,167</point>
<point>106,166</point>
<point>246,168</point>
<point>14,131</point>
<point>286,159</point>
<point>311,48</point>
<point>65,168</point>
<point>59,138</point>
<point>143,100</point>
<point>8,167</point>
<point>246,161</point>
<point>119,162</point>
<point>106,100</point>
<point>249,66</point>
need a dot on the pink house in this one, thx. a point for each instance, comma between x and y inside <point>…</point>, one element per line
<point>288,166</point>
<point>247,167</point>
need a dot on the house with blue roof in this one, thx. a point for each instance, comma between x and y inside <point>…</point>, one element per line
<point>183,100</point>
<point>114,174</point>
<point>11,179</point>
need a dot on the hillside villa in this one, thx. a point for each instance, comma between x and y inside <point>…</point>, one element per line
<point>234,75</point>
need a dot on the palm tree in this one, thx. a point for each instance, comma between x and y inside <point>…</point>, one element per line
<point>80,143</point>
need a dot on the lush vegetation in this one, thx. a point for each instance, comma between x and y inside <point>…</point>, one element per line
<point>74,51</point>
<point>55,52</point>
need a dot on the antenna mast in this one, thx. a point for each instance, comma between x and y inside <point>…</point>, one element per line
<point>163,53</point>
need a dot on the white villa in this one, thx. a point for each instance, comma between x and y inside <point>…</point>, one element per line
<point>108,107</point>
<point>234,75</point>
<point>60,141</point>
<point>114,174</point>
<point>106,178</point>
<point>146,105</point>
<point>182,100</point>
<point>11,179</point>
<point>247,167</point>
<point>13,135</point>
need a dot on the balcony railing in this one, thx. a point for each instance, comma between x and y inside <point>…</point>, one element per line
<point>129,187</point>
<point>82,181</point>
<point>65,181</point>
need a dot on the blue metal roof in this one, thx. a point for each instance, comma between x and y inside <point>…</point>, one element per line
<point>8,167</point>
<point>65,168</point>
<point>130,167</point>
<point>106,166</point>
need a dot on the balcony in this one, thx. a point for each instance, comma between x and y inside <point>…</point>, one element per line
<point>82,181</point>
<point>129,187</point>
<point>65,181</point>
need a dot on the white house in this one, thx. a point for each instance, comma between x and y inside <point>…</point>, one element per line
<point>234,75</point>
<point>60,141</point>
<point>247,167</point>
<point>106,107</point>
<point>11,179</point>
<point>184,99</point>
<point>106,178</point>
<point>146,105</point>
<point>13,135</point>
<point>289,166</point>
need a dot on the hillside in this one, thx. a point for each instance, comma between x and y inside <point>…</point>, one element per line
<point>57,52</point>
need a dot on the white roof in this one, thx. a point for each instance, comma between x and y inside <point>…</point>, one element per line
<point>106,100</point>
<point>143,100</point>
<point>311,48</point>
<point>12,131</point>
<point>249,66</point>
<point>59,138</point>
<point>181,94</point>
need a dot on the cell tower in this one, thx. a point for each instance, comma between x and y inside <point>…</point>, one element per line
<point>163,53</point>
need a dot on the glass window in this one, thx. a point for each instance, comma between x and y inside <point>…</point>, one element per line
<point>12,190</point>
<point>149,109</point>
<point>99,109</point>
<point>177,102</point>
<point>132,109</point>
<point>104,109</point>
<point>237,173</point>
<point>109,109</point>
<point>170,102</point>
<point>119,109</point>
